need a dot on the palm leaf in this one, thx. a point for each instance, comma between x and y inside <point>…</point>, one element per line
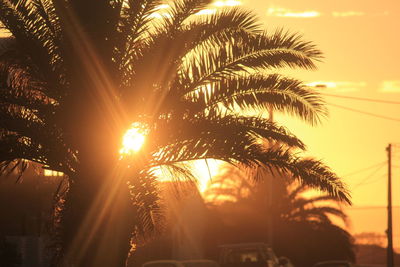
<point>262,92</point>
<point>255,52</point>
<point>146,204</point>
<point>319,213</point>
<point>218,126</point>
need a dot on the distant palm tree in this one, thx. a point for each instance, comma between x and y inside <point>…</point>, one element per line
<point>304,228</point>
<point>295,207</point>
<point>235,186</point>
<point>76,74</point>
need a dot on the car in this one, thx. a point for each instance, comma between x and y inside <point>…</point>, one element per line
<point>333,264</point>
<point>285,262</point>
<point>200,263</point>
<point>163,263</point>
<point>248,255</point>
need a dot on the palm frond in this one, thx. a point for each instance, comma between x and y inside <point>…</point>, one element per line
<point>178,172</point>
<point>308,172</point>
<point>20,78</point>
<point>16,147</point>
<point>133,25</point>
<point>225,127</point>
<point>36,35</point>
<point>302,202</point>
<point>45,10</point>
<point>146,204</point>
<point>156,47</point>
<point>245,151</point>
<point>318,213</point>
<point>181,10</point>
<point>254,52</point>
<point>8,167</point>
<point>294,193</point>
<point>315,174</point>
<point>262,92</point>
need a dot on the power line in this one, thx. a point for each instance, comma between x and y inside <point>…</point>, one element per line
<point>363,99</point>
<point>364,112</point>
<point>363,182</point>
<point>364,169</point>
<point>369,207</point>
<point>373,181</point>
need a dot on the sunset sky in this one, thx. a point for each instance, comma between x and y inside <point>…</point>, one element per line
<point>360,41</point>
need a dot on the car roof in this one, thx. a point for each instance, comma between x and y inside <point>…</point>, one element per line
<point>199,260</point>
<point>237,245</point>
<point>332,262</point>
<point>163,261</point>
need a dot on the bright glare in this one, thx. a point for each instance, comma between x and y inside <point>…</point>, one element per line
<point>201,170</point>
<point>227,3</point>
<point>133,140</point>
<point>163,6</point>
<point>52,173</point>
<point>283,12</point>
<point>205,171</point>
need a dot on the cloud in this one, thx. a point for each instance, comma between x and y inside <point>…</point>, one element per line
<point>283,12</point>
<point>392,86</point>
<point>348,14</point>
<point>209,11</point>
<point>339,86</point>
<point>227,3</point>
<point>219,4</point>
<point>380,14</point>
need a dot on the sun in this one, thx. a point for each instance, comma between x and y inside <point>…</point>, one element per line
<point>133,140</point>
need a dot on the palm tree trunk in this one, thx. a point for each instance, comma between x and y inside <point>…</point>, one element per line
<point>96,222</point>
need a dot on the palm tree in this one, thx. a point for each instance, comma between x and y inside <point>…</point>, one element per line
<point>304,228</point>
<point>75,75</point>
<point>233,185</point>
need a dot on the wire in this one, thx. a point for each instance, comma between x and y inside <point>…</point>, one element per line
<point>365,112</point>
<point>374,181</point>
<point>364,169</point>
<point>370,207</point>
<point>363,182</point>
<point>364,99</point>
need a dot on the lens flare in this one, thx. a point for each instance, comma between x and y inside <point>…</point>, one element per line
<point>133,140</point>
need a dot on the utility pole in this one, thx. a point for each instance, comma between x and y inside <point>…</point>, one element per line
<point>390,262</point>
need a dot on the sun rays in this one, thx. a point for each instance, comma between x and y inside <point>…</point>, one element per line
<point>133,140</point>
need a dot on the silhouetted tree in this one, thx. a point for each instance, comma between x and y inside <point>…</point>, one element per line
<point>76,74</point>
<point>303,229</point>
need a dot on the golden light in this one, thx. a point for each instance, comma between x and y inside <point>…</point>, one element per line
<point>48,172</point>
<point>230,3</point>
<point>204,171</point>
<point>133,140</point>
<point>283,12</point>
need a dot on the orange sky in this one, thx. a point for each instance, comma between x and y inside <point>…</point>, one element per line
<point>361,43</point>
